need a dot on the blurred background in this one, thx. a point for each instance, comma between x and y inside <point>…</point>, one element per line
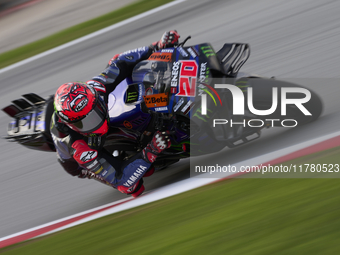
<point>289,39</point>
<point>25,21</point>
<point>6,4</point>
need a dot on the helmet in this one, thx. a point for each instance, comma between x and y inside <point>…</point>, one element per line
<point>79,106</point>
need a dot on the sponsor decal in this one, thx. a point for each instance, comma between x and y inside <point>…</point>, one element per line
<point>183,52</point>
<point>127,124</point>
<point>96,85</point>
<point>188,78</point>
<point>131,97</point>
<point>184,74</point>
<point>129,57</point>
<point>178,105</point>
<point>193,52</point>
<point>160,56</point>
<point>156,100</point>
<point>88,155</point>
<point>135,176</point>
<point>174,75</point>
<point>151,157</point>
<point>159,109</point>
<point>203,69</point>
<point>140,89</point>
<point>202,89</point>
<point>134,51</point>
<point>208,51</point>
<point>168,50</point>
<point>187,107</point>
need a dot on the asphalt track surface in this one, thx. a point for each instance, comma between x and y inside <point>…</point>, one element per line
<point>292,40</point>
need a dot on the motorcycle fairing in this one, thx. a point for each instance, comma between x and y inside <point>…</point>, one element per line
<point>160,74</point>
<point>30,127</point>
<point>127,115</point>
<point>233,56</point>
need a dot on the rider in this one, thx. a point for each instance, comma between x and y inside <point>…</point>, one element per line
<point>80,125</point>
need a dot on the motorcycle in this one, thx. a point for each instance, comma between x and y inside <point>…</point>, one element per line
<point>174,89</point>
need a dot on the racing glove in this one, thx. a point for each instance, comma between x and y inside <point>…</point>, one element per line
<point>169,39</point>
<point>159,142</point>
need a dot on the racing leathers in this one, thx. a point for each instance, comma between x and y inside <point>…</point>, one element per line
<point>83,155</point>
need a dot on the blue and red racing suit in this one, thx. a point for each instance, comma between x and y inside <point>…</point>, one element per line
<point>84,156</point>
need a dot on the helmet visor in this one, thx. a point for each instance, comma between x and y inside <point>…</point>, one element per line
<point>92,121</point>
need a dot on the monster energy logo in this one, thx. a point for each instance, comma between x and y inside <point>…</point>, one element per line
<point>202,117</point>
<point>242,84</point>
<point>131,96</point>
<point>204,72</point>
<point>208,51</point>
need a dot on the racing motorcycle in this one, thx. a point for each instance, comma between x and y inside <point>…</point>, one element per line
<point>175,89</point>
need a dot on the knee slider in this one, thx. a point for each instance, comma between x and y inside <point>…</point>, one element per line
<point>135,190</point>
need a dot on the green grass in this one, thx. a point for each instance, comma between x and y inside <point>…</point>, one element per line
<point>78,31</point>
<point>239,216</point>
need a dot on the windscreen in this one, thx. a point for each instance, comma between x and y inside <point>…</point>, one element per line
<point>155,75</point>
